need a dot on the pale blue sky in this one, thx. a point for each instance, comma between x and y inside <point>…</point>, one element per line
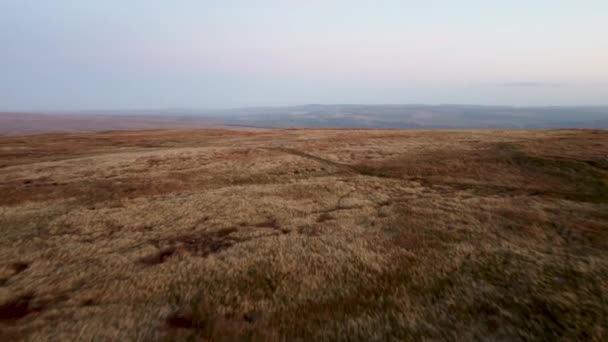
<point>67,54</point>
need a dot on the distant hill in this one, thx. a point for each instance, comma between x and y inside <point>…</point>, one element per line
<point>418,116</point>
<point>312,116</point>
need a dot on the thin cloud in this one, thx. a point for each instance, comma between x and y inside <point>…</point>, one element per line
<point>530,84</point>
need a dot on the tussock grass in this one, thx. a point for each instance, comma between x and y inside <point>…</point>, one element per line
<point>305,235</point>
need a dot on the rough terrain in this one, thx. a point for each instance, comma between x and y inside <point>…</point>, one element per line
<point>305,234</point>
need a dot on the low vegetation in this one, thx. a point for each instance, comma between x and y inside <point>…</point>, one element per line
<point>281,235</point>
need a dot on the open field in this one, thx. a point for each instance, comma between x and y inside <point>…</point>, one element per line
<point>282,235</point>
<point>15,124</point>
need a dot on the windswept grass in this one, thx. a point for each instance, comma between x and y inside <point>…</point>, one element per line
<point>285,235</point>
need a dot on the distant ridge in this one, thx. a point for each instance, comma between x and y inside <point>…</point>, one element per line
<point>460,116</point>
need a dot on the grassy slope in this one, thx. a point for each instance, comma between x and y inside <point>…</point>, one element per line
<point>314,234</point>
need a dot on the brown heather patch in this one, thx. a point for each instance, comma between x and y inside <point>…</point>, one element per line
<point>364,235</point>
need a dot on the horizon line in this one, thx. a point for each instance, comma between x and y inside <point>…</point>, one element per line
<point>114,110</point>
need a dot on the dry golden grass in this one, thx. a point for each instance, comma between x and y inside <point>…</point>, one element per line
<point>282,235</point>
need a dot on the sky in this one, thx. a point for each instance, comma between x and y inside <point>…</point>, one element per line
<point>138,54</point>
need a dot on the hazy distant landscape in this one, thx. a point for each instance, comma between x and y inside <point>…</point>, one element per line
<point>310,116</point>
<point>418,116</point>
